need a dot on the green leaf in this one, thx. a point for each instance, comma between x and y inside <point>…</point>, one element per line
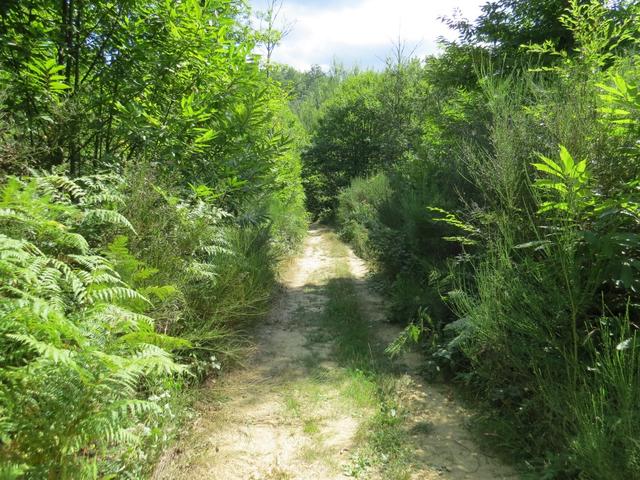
<point>567,159</point>
<point>547,169</point>
<point>536,244</point>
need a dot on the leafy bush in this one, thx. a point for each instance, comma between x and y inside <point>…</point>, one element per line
<point>89,318</point>
<point>76,342</point>
<point>107,278</point>
<point>554,290</point>
<point>222,267</point>
<point>518,205</point>
<point>357,211</point>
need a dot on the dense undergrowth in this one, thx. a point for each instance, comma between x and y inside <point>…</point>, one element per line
<point>151,183</point>
<point>496,189</point>
<point>152,178</point>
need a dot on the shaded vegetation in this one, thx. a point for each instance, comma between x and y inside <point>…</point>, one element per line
<point>502,216</point>
<point>155,170</point>
<point>119,290</point>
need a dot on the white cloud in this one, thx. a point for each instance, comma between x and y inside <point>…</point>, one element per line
<point>363,29</point>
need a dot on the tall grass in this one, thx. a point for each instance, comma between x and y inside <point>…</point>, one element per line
<point>607,419</point>
<point>540,265</point>
<point>223,267</point>
<point>541,355</point>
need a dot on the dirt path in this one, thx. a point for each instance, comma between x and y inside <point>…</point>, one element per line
<point>295,412</point>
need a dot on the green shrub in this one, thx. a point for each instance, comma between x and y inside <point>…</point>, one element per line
<point>88,320</point>
<point>76,342</point>
<point>552,295</point>
<point>223,268</point>
<point>517,203</point>
<point>357,211</point>
<point>112,286</point>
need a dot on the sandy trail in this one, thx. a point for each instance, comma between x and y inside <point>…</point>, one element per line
<point>284,416</point>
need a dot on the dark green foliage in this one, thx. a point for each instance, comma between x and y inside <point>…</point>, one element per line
<point>120,290</point>
<point>508,25</point>
<point>506,227</point>
<point>347,141</point>
<point>512,23</point>
<point>76,340</point>
<point>422,165</point>
<point>370,124</point>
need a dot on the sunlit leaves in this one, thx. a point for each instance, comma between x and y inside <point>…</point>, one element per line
<point>46,75</point>
<point>566,184</point>
<point>73,346</point>
<point>469,231</point>
<point>173,83</point>
<point>621,107</point>
<point>103,86</point>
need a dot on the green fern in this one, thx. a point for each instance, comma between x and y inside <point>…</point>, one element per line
<point>74,347</point>
<point>107,216</point>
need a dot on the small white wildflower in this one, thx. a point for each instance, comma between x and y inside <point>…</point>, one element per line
<point>214,363</point>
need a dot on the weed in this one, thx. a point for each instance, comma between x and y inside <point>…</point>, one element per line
<point>367,382</point>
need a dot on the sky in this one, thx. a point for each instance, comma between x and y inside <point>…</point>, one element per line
<point>362,32</point>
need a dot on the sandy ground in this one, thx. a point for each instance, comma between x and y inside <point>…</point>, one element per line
<point>273,420</point>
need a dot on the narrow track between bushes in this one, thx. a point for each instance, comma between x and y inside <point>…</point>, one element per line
<point>319,400</point>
